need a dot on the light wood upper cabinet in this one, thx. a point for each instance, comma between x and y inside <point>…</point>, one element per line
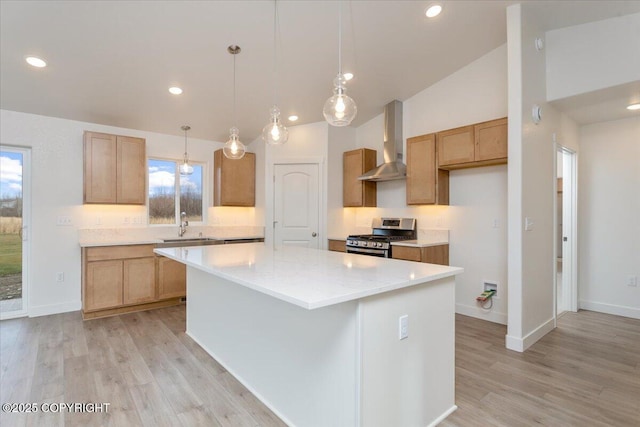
<point>491,140</point>
<point>234,180</point>
<point>100,158</point>
<point>426,184</point>
<point>114,169</point>
<point>356,193</point>
<point>481,144</point>
<point>172,278</point>
<point>131,171</point>
<point>456,146</point>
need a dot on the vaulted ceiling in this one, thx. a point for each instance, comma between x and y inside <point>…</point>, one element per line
<point>111,62</point>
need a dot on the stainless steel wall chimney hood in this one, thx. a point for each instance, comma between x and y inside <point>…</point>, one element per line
<point>393,167</point>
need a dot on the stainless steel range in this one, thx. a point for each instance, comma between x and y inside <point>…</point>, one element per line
<point>385,231</point>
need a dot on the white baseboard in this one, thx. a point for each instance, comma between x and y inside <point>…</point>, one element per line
<point>618,310</point>
<point>479,313</point>
<point>521,344</point>
<point>45,310</point>
<point>443,416</point>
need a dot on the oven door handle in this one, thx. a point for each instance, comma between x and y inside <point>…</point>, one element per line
<point>368,251</point>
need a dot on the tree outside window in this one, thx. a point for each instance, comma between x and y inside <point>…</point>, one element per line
<point>171,193</point>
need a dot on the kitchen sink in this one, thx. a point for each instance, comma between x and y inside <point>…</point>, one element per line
<point>189,241</point>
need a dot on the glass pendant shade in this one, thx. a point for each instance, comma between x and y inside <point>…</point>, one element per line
<point>185,168</point>
<point>274,133</point>
<point>234,148</point>
<point>340,109</point>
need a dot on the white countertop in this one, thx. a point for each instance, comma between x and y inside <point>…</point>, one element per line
<point>418,243</point>
<point>309,278</point>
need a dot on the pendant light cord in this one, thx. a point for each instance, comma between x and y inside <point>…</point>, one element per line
<point>234,89</point>
<point>340,37</point>
<point>275,53</point>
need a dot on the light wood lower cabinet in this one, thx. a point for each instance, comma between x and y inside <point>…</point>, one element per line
<point>139,283</point>
<point>431,254</point>
<point>120,279</point>
<point>103,285</point>
<point>338,245</point>
<point>172,278</point>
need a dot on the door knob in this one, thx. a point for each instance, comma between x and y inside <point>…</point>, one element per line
<point>314,234</point>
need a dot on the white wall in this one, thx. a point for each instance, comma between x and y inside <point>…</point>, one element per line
<point>307,143</point>
<point>593,56</point>
<point>531,185</point>
<point>478,197</point>
<point>57,190</point>
<point>608,217</point>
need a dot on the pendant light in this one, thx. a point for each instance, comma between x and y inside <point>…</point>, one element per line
<point>275,133</point>
<point>185,168</point>
<point>340,109</point>
<point>234,148</point>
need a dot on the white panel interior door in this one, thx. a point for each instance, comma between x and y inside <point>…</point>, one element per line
<point>296,204</point>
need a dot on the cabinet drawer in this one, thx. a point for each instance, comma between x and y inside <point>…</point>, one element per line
<point>103,253</point>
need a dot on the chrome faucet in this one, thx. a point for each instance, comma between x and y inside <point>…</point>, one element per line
<point>183,224</point>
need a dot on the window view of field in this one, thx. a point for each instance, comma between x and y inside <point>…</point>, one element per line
<point>164,194</point>
<point>10,226</point>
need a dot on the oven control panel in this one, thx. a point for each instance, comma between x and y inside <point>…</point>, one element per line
<point>367,244</point>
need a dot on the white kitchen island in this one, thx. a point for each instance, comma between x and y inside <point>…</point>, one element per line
<point>314,334</point>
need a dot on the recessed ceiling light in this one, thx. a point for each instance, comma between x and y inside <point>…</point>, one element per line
<point>433,11</point>
<point>175,90</point>
<point>634,107</point>
<point>293,118</point>
<point>35,62</point>
<point>348,76</point>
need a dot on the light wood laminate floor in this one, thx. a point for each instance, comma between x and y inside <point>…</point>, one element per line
<point>584,373</point>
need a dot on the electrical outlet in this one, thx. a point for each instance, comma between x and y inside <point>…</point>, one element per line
<point>403,327</point>
<point>496,223</point>
<point>60,276</point>
<point>632,281</point>
<point>98,220</point>
<point>63,220</point>
<point>126,220</point>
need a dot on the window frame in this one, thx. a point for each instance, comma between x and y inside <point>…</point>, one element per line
<point>176,185</point>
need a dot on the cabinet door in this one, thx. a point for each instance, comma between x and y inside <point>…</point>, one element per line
<point>103,287</point>
<point>172,278</point>
<point>131,170</point>
<point>456,146</point>
<point>421,170</point>
<point>100,169</point>
<point>234,180</point>
<point>337,245</point>
<point>139,280</point>
<point>436,254</point>
<point>356,193</point>
<point>407,253</point>
<point>491,140</point>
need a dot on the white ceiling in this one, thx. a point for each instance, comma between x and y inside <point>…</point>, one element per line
<point>111,62</point>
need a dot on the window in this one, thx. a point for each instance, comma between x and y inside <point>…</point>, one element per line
<point>171,193</point>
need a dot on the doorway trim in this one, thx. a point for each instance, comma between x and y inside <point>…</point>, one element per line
<point>26,229</point>
<point>569,182</point>
<point>270,196</point>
